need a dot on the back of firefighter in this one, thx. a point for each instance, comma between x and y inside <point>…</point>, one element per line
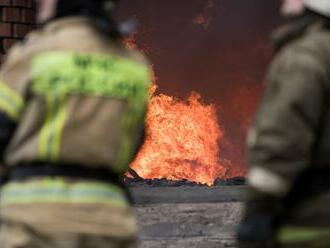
<point>72,107</point>
<point>289,144</point>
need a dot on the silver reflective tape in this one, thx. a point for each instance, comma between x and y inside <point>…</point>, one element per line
<point>266,181</point>
<point>252,137</point>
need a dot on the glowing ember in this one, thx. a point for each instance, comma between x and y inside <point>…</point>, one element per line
<point>204,18</point>
<point>130,41</point>
<point>181,141</point>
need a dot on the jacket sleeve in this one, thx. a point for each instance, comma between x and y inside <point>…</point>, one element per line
<point>281,142</point>
<point>12,91</point>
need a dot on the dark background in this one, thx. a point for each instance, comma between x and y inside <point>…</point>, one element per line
<point>219,48</point>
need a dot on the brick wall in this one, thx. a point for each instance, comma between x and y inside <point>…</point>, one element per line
<point>16,19</point>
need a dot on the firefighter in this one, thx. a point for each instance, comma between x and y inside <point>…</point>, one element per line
<point>72,108</point>
<point>289,143</point>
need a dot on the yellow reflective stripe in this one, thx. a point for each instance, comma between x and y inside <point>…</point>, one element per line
<point>51,132</point>
<point>43,139</point>
<point>290,234</point>
<point>58,127</point>
<point>58,190</point>
<point>10,101</point>
<point>93,75</point>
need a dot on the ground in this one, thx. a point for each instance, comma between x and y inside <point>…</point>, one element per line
<point>174,221</point>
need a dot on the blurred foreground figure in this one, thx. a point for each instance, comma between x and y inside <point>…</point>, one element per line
<point>289,145</point>
<point>72,107</point>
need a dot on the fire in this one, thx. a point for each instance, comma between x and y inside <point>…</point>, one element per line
<point>182,141</point>
<point>182,137</point>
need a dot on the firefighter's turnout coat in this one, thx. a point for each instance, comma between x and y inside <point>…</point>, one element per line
<point>289,144</point>
<point>75,96</point>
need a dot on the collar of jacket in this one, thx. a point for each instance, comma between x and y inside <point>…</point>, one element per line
<point>58,24</point>
<point>295,29</point>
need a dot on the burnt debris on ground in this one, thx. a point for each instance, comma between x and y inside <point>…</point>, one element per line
<point>136,182</point>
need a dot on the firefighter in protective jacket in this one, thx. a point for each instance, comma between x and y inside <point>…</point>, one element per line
<point>72,107</point>
<point>289,144</point>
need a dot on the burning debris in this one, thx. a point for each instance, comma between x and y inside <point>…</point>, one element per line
<point>133,182</point>
<point>204,18</point>
<point>130,41</point>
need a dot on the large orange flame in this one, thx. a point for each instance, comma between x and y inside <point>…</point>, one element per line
<point>181,141</point>
<point>182,138</point>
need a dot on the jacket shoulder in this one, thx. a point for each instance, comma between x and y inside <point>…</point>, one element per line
<point>307,55</point>
<point>314,45</point>
<point>87,39</point>
<point>77,37</point>
<point>21,50</point>
<point>317,42</point>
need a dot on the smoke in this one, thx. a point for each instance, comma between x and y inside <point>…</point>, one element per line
<point>219,48</point>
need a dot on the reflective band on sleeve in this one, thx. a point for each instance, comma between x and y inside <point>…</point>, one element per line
<point>295,235</point>
<point>267,182</point>
<point>252,137</point>
<point>10,101</point>
<point>58,190</point>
